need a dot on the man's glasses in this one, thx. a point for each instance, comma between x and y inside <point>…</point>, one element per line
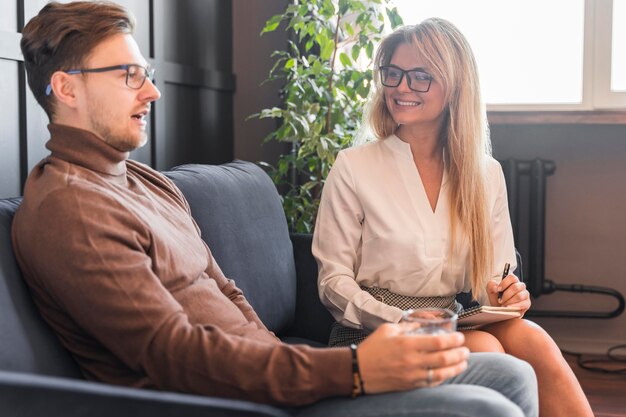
<point>135,74</point>
<point>417,80</point>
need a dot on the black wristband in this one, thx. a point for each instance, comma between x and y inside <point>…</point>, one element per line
<point>357,381</point>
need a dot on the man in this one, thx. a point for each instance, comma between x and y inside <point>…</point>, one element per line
<point>117,267</point>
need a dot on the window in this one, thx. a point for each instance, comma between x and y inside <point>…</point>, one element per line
<point>618,53</point>
<point>537,54</point>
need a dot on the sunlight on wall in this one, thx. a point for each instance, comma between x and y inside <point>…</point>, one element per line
<point>618,63</point>
<point>528,51</point>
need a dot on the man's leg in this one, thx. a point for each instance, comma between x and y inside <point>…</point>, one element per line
<point>494,385</point>
<point>511,377</point>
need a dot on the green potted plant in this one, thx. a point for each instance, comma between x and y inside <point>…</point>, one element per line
<point>326,74</point>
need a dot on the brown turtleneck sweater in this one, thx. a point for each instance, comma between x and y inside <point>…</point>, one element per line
<point>117,268</point>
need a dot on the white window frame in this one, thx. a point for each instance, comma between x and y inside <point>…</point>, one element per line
<point>603,97</point>
<point>596,88</point>
<point>596,77</point>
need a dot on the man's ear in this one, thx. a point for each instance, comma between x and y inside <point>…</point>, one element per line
<point>65,88</point>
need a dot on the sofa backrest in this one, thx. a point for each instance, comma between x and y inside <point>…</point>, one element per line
<point>27,344</point>
<point>240,215</point>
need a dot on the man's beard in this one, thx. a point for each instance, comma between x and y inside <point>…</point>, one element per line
<point>121,142</point>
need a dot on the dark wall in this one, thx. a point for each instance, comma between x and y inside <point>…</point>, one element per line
<point>252,61</point>
<point>190,44</point>
<point>585,222</point>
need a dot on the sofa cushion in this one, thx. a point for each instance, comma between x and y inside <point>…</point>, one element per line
<point>27,343</point>
<point>240,216</point>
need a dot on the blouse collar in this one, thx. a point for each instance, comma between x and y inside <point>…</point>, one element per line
<point>403,150</point>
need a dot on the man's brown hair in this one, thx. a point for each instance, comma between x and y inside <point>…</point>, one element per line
<point>62,36</point>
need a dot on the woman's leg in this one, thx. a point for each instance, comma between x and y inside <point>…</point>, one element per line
<point>479,341</point>
<point>560,394</point>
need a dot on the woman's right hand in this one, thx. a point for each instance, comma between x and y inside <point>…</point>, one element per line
<point>390,360</point>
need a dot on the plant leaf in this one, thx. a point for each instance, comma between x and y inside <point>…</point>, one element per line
<point>345,59</point>
<point>272,23</point>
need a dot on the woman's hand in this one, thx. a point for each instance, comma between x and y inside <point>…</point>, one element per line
<point>514,293</point>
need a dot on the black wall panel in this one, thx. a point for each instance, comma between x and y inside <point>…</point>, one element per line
<point>189,42</point>
<point>202,21</point>
<point>208,113</point>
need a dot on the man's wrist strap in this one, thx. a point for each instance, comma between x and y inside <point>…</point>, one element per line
<point>357,381</point>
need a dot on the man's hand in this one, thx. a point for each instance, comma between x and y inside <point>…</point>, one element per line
<point>390,360</point>
<point>514,293</point>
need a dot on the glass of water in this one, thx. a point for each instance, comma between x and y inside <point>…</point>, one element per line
<point>430,320</point>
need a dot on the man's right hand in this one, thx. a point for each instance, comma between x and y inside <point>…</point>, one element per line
<point>390,360</point>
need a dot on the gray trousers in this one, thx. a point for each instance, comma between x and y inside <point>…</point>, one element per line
<point>493,385</point>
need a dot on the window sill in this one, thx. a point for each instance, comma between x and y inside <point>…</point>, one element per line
<point>602,117</point>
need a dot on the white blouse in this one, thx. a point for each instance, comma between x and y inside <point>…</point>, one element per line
<point>376,228</point>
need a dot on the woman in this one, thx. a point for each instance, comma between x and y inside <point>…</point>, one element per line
<point>421,214</point>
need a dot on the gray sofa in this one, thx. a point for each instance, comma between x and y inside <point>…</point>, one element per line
<point>239,213</point>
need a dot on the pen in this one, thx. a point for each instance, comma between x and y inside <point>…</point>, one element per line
<point>505,273</point>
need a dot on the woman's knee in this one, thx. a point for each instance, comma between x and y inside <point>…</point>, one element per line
<point>479,341</point>
<point>523,339</point>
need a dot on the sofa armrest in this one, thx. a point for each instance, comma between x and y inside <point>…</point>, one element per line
<point>28,395</point>
<point>312,319</point>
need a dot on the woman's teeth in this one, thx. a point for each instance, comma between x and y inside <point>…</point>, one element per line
<point>407,103</point>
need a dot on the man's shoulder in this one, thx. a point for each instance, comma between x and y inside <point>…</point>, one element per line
<point>157,179</point>
<point>57,189</point>
<point>149,174</point>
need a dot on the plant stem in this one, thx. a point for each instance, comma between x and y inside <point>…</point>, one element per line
<point>330,76</point>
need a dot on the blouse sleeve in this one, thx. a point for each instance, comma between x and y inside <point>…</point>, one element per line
<point>501,229</point>
<point>336,246</point>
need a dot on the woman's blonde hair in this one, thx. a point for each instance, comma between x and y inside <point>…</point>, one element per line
<point>464,135</point>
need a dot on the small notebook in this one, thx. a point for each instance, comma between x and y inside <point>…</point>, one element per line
<point>475,317</point>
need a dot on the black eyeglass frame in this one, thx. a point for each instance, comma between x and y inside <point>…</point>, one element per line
<point>428,78</point>
<point>147,73</point>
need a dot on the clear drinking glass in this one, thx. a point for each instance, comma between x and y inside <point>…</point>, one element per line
<point>430,320</point>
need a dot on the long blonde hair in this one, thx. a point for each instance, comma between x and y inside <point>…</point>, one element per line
<point>464,135</point>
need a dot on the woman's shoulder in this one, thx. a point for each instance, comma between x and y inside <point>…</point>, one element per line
<point>494,174</point>
<point>493,166</point>
<point>363,151</point>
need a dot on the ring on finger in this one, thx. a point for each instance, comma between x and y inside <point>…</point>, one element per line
<point>429,376</point>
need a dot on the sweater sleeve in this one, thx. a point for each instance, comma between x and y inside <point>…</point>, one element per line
<point>336,242</point>
<point>92,277</point>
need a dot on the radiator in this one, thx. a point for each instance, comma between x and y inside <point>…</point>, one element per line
<point>526,191</point>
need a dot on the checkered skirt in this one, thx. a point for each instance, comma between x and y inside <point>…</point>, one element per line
<point>345,336</point>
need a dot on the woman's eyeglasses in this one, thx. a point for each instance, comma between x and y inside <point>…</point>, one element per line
<point>417,80</point>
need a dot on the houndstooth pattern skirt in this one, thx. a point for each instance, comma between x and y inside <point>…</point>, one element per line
<point>345,336</point>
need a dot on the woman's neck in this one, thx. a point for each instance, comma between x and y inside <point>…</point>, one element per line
<point>425,143</point>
